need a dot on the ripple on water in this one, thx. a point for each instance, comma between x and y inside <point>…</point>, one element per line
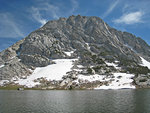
<point>87,101</point>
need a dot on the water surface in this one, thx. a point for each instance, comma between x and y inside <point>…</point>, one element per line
<point>87,101</point>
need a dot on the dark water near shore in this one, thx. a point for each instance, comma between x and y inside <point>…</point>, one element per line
<point>93,101</point>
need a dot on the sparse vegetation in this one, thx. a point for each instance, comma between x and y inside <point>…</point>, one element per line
<point>138,70</point>
<point>126,62</point>
<point>142,80</point>
<point>97,68</point>
<point>97,60</point>
<point>89,70</point>
<point>10,87</point>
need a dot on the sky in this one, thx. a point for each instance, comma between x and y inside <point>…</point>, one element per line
<point>18,18</point>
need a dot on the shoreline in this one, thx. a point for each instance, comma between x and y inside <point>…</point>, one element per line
<point>16,88</point>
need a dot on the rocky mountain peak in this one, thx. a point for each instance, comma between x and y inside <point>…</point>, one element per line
<point>87,38</point>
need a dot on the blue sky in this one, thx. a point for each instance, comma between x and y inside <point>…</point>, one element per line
<point>18,18</point>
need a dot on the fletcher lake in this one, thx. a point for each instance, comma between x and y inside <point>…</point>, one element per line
<point>75,101</point>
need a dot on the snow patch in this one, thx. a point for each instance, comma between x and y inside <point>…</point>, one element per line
<point>116,61</point>
<point>107,28</point>
<point>116,81</point>
<point>14,79</point>
<point>3,82</point>
<point>50,72</point>
<point>69,53</point>
<point>145,62</point>
<point>113,64</point>
<point>130,48</point>
<point>12,57</point>
<point>91,78</point>
<point>116,38</point>
<point>88,47</point>
<point>120,81</point>
<point>80,66</point>
<point>2,66</point>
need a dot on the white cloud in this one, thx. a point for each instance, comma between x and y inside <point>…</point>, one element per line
<point>54,10</point>
<point>9,27</point>
<point>130,18</point>
<point>111,8</point>
<point>75,6</point>
<point>37,16</point>
<point>44,10</point>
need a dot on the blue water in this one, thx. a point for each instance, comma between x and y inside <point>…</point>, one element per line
<point>84,101</point>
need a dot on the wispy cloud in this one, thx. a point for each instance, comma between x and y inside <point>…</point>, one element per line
<point>130,18</point>
<point>75,6</point>
<point>38,12</point>
<point>111,8</point>
<point>47,9</point>
<point>37,16</point>
<point>52,9</point>
<point>43,10</point>
<point>9,27</point>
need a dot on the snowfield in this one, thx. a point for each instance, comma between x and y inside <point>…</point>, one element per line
<point>91,78</point>
<point>50,72</point>
<point>121,81</point>
<point>62,66</point>
<point>145,62</point>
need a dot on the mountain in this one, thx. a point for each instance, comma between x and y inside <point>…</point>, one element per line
<point>78,52</point>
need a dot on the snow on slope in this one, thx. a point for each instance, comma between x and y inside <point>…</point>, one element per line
<point>3,82</point>
<point>121,81</point>
<point>88,47</point>
<point>69,53</point>
<point>91,78</point>
<point>113,64</point>
<point>130,48</point>
<point>2,66</point>
<point>145,62</point>
<point>62,66</point>
<point>50,72</point>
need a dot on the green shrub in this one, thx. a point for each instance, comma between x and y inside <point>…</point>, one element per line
<point>104,53</point>
<point>97,68</point>
<point>89,70</point>
<point>138,70</point>
<point>97,60</point>
<point>126,62</point>
<point>142,80</point>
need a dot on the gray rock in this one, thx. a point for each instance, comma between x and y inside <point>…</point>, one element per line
<point>35,60</point>
<point>73,34</point>
<point>142,80</point>
<point>12,69</point>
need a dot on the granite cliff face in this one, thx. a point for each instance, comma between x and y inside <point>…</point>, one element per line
<point>89,39</point>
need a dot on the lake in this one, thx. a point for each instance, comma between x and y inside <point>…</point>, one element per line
<point>75,101</point>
